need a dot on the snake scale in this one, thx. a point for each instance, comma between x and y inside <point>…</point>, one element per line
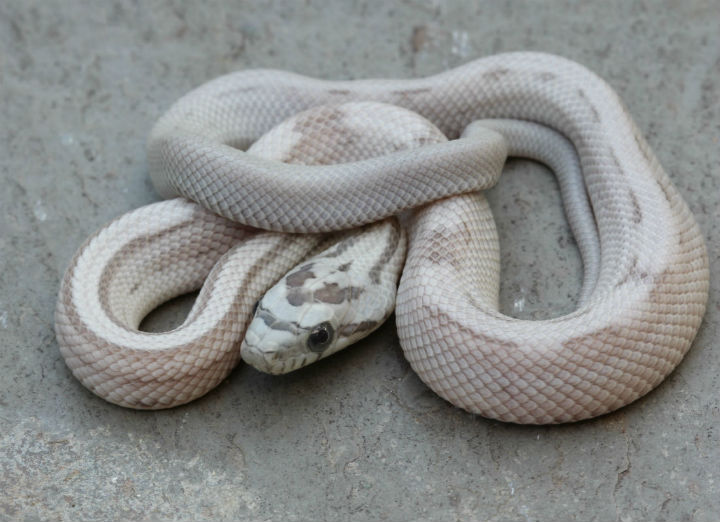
<point>646,268</point>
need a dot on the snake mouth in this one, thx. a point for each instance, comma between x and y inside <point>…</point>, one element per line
<point>275,360</point>
<point>262,361</point>
<point>269,362</point>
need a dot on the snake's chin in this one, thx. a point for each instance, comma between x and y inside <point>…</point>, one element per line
<point>270,361</point>
<point>257,360</point>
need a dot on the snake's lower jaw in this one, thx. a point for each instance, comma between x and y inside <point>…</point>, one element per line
<point>257,359</point>
<point>274,361</point>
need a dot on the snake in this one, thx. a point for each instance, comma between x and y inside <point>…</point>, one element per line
<point>238,222</point>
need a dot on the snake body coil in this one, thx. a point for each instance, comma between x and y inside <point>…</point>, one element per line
<point>629,332</point>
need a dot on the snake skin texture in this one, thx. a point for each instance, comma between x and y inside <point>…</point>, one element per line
<point>631,329</point>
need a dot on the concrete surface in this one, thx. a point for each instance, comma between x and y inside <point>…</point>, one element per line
<point>356,437</point>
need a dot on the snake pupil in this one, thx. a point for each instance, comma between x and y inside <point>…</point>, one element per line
<point>320,337</point>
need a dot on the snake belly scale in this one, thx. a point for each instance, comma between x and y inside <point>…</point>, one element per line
<point>631,329</point>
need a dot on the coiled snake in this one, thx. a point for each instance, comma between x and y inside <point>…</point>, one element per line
<point>646,268</point>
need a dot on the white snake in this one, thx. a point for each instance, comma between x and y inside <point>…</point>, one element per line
<point>639,312</point>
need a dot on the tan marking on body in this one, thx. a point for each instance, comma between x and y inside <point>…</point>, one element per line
<point>354,328</point>
<point>298,278</point>
<point>333,293</point>
<point>393,242</point>
<point>637,211</point>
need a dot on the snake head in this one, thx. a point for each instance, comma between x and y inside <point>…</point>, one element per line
<point>292,326</point>
<point>327,303</point>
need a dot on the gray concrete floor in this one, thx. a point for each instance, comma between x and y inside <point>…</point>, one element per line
<point>357,436</point>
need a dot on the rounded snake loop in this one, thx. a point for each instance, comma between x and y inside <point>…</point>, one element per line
<point>644,305</point>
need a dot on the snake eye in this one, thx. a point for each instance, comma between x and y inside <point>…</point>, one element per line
<point>320,337</point>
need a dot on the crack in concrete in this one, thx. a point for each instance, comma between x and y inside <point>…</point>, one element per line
<point>624,472</point>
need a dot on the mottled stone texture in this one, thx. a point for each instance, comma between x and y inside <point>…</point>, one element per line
<point>356,436</point>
